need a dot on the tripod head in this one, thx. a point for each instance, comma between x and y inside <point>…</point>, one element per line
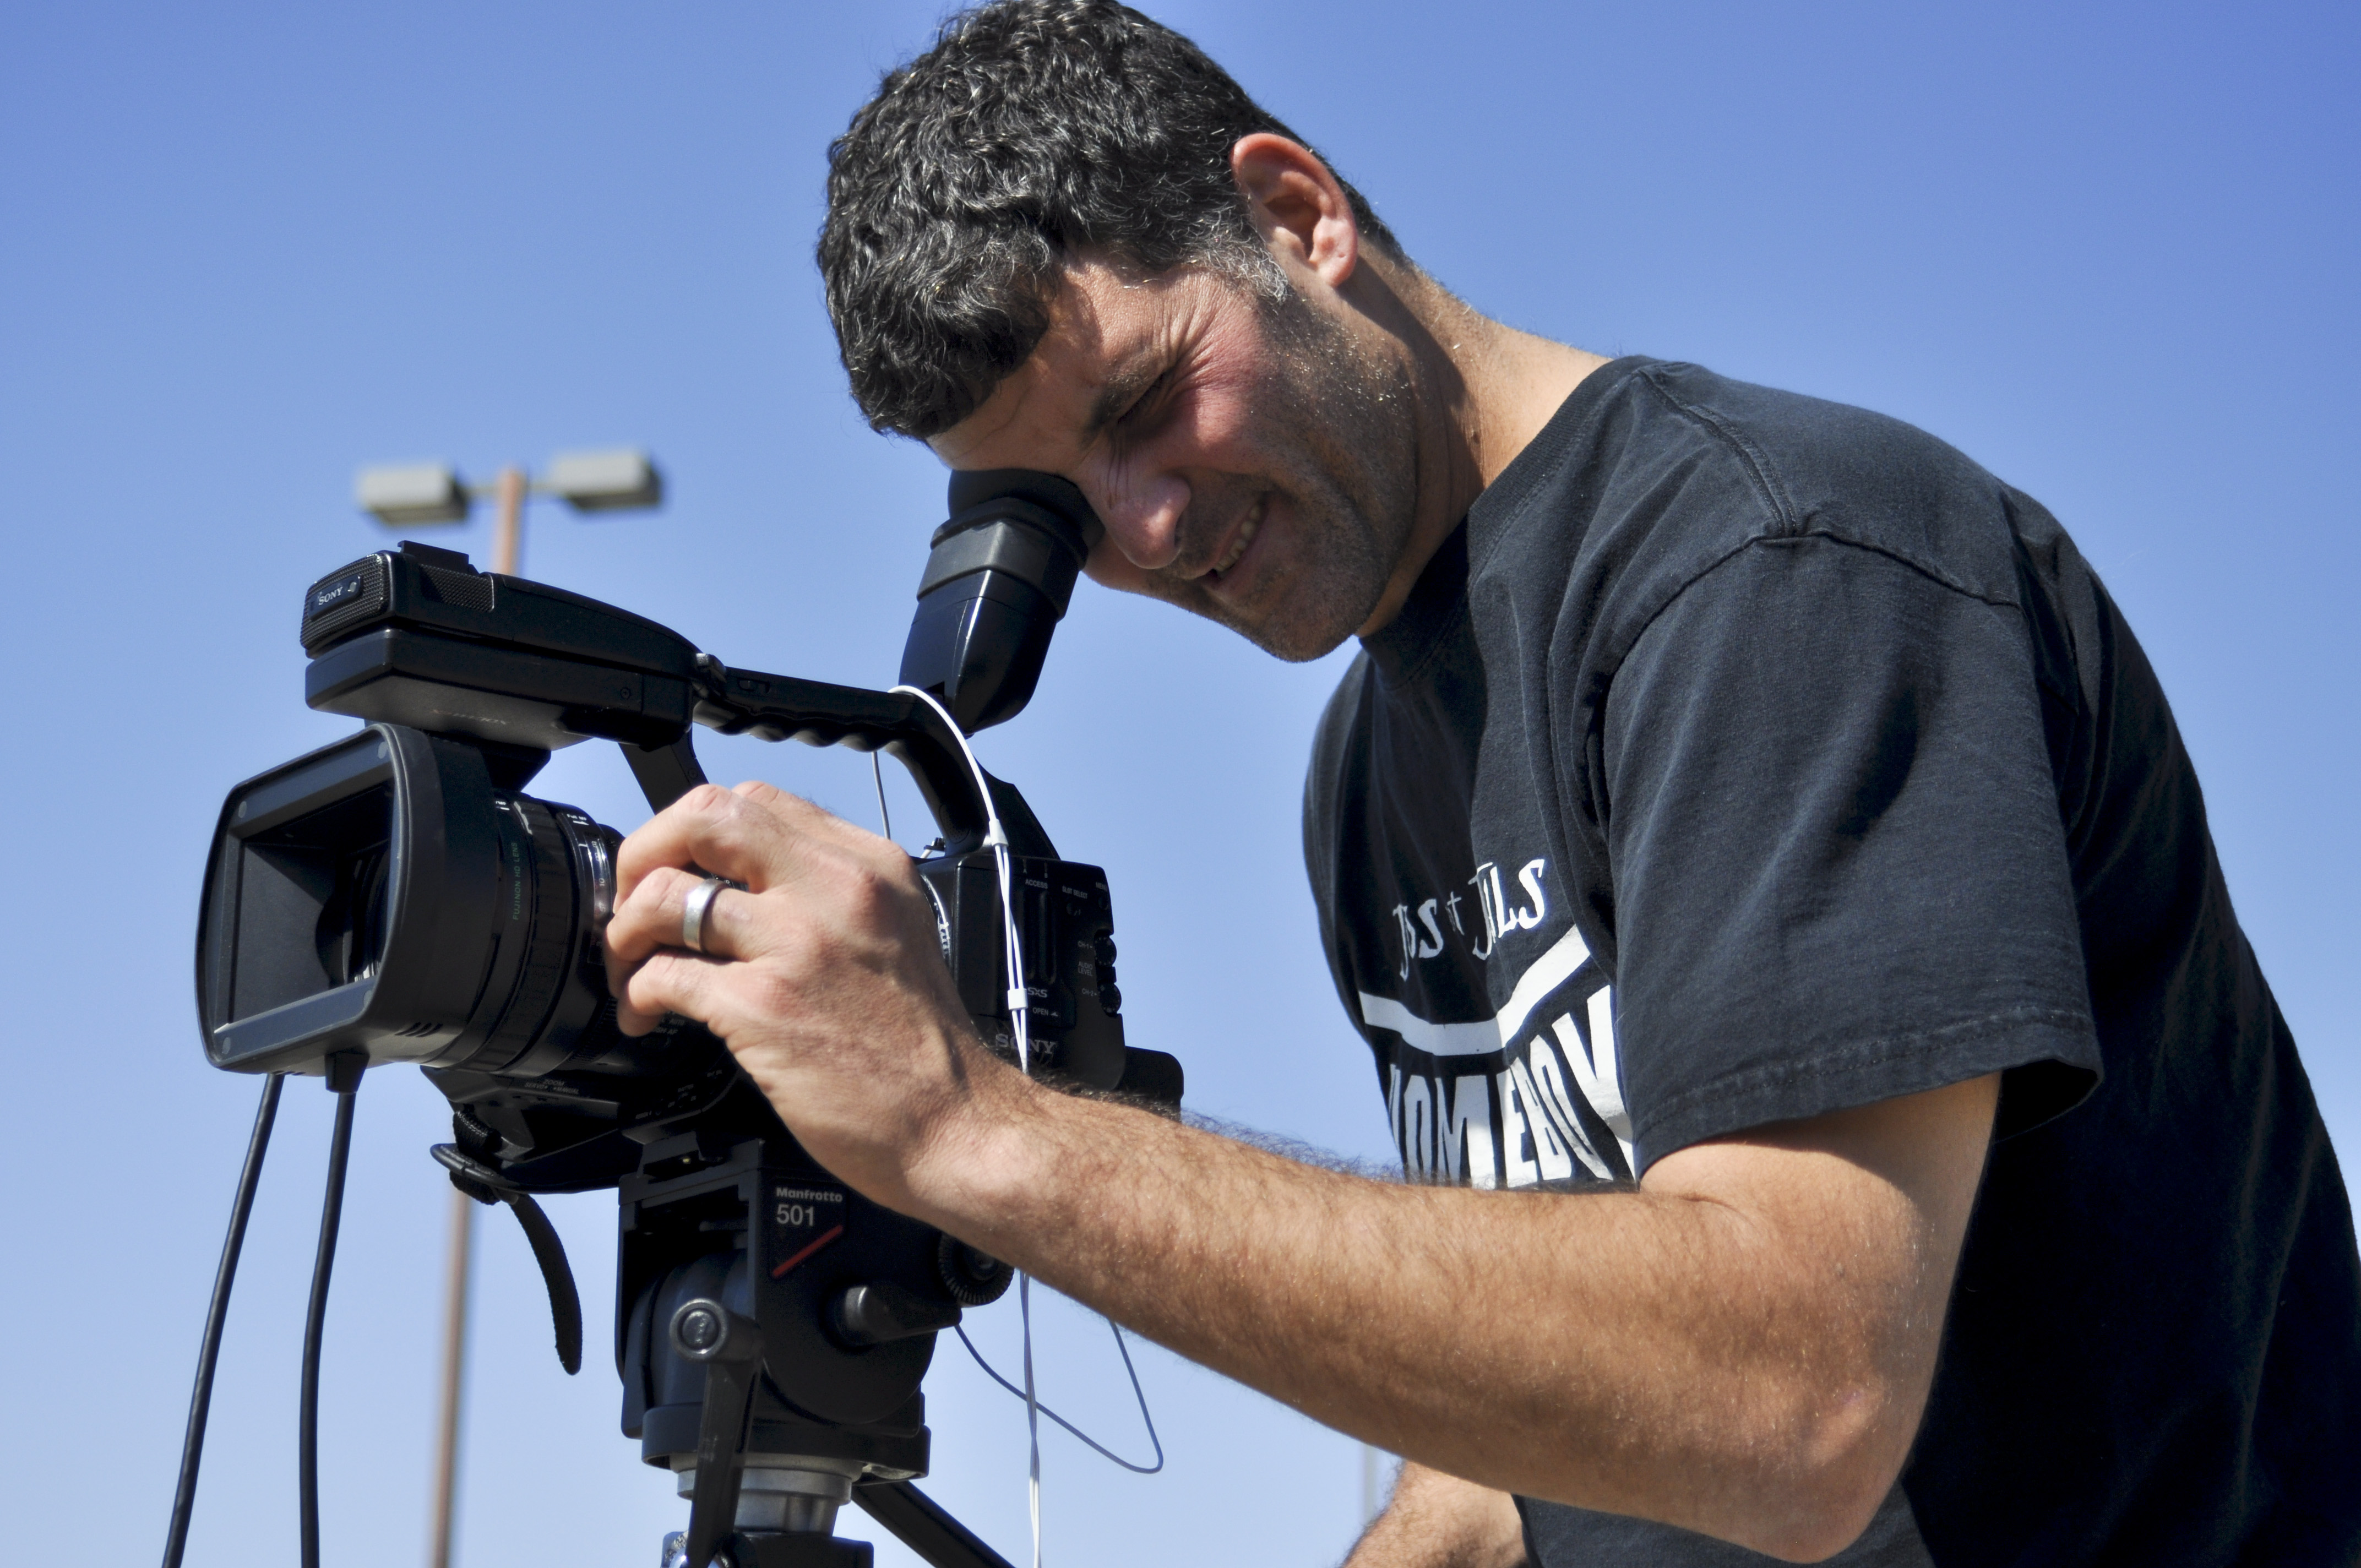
<point>396,897</point>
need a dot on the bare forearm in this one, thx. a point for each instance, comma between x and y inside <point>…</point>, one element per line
<point>1632,1351</point>
<point>1451,1327</point>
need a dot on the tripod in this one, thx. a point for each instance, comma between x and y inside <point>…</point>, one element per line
<point>775,1328</point>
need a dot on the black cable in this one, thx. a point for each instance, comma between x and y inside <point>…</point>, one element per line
<point>340,1145</point>
<point>200,1398</point>
<point>1095,1447</point>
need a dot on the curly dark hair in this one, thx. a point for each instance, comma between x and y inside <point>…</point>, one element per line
<point>1031,129</point>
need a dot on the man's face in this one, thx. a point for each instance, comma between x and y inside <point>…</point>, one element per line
<point>1255,463</point>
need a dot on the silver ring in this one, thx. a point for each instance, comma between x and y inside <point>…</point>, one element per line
<point>695,908</point>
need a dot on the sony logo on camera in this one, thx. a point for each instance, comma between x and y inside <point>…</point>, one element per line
<point>329,594</point>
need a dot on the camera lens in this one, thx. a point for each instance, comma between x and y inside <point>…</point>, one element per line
<point>350,937</point>
<point>394,894</point>
<point>546,984</point>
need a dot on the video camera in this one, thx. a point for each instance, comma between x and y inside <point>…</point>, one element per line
<point>396,897</point>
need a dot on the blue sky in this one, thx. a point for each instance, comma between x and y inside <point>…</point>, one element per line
<point>2107,249</point>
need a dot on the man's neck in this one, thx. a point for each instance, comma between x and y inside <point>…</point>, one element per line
<point>1485,392</point>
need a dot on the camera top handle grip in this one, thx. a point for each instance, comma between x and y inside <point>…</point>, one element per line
<point>788,707</point>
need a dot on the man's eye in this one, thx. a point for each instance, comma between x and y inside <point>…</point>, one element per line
<point>1142,410</point>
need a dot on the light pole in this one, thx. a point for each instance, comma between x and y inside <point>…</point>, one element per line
<point>409,496</point>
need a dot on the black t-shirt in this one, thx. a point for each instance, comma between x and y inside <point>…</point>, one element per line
<point>1746,757</point>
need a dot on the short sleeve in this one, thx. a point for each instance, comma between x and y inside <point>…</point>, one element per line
<point>1838,870</point>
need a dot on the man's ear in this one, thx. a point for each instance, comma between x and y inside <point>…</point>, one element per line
<point>1297,206</point>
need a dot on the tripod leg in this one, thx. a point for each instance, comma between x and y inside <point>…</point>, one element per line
<point>920,1523</point>
<point>731,1348</point>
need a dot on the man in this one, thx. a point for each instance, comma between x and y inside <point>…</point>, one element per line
<point>1844,1117</point>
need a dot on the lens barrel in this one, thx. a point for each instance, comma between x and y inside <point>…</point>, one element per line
<point>384,895</point>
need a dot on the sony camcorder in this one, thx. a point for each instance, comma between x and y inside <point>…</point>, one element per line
<point>397,896</point>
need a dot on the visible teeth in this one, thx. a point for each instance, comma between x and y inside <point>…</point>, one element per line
<point>1246,537</point>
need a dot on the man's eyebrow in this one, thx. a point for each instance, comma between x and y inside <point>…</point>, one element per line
<point>1123,388</point>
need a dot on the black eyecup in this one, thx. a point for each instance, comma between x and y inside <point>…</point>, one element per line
<point>997,581</point>
<point>1007,535</point>
<point>1053,495</point>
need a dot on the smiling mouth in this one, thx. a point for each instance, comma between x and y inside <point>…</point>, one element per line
<point>1247,532</point>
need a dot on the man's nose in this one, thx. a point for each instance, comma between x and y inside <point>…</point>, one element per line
<point>1143,518</point>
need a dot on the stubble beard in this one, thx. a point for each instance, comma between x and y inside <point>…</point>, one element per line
<point>1338,426</point>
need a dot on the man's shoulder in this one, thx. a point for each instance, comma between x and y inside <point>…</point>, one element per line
<point>1820,468</point>
<point>1656,471</point>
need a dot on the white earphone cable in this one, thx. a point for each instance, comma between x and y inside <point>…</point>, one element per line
<point>1020,1021</point>
<point>877,777</point>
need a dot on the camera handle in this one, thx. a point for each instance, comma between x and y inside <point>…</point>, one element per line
<point>782,707</point>
<point>665,772</point>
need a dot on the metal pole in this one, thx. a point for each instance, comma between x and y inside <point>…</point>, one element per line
<point>507,534</point>
<point>507,547</point>
<point>455,1356</point>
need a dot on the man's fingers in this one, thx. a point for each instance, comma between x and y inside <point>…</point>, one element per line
<point>671,981</point>
<point>654,915</point>
<point>750,834</point>
<point>856,885</point>
<point>710,827</point>
<point>646,923</point>
<point>649,930</point>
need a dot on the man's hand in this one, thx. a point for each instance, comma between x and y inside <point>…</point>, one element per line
<point>1434,1521</point>
<point>824,976</point>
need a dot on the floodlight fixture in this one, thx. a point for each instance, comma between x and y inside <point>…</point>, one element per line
<point>620,480</point>
<point>408,494</point>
